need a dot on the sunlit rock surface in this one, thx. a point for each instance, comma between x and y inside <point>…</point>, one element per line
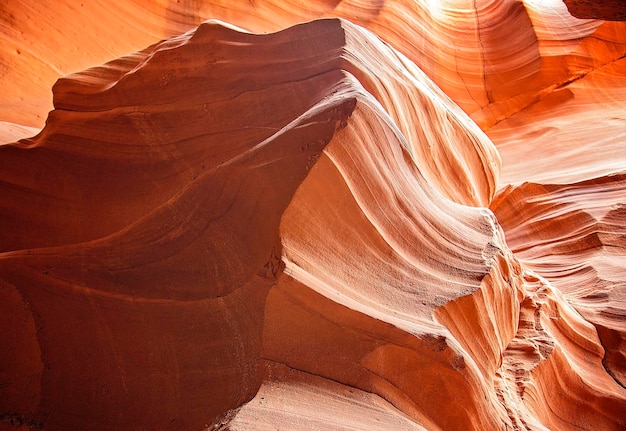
<point>412,217</point>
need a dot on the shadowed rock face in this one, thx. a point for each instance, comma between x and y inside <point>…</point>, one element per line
<point>612,10</point>
<point>412,222</point>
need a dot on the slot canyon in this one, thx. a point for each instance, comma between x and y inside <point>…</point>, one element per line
<point>313,215</point>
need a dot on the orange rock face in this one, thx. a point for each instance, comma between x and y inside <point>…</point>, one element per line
<point>324,215</point>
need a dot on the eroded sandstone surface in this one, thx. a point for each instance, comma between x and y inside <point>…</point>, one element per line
<point>332,215</point>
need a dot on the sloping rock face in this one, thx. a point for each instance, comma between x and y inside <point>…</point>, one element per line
<point>416,225</point>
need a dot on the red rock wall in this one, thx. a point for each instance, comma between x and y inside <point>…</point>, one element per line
<point>409,218</point>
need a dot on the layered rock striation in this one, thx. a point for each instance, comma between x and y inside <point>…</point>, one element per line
<point>319,227</point>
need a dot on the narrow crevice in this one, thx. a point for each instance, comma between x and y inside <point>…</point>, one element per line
<point>605,358</point>
<point>609,371</point>
<point>482,55</point>
<point>469,92</point>
<point>551,89</point>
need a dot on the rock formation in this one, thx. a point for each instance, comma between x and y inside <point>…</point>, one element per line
<point>339,215</point>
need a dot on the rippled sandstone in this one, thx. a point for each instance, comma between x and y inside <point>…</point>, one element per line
<point>385,221</point>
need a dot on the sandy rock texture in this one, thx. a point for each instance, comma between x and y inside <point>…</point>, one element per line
<point>347,215</point>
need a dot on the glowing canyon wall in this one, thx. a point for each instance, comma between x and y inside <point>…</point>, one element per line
<point>350,215</point>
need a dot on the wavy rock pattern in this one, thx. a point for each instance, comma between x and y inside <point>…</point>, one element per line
<point>327,226</point>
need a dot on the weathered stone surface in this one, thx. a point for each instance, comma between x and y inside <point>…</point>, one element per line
<point>411,217</point>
